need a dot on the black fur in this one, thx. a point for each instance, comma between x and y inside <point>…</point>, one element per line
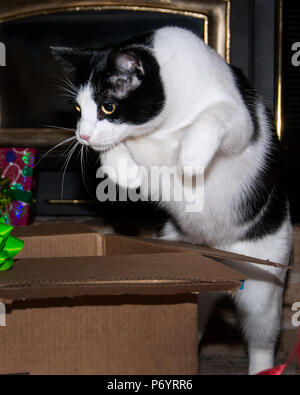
<point>142,90</point>
<point>265,207</point>
<point>250,96</point>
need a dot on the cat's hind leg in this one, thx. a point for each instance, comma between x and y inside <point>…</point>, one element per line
<point>170,232</point>
<point>260,302</point>
<point>260,306</point>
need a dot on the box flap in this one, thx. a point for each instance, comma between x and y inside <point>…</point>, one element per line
<point>124,245</point>
<point>52,229</point>
<point>206,251</point>
<point>173,273</point>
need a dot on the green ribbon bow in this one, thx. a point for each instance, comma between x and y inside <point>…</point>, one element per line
<point>5,198</point>
<point>10,246</point>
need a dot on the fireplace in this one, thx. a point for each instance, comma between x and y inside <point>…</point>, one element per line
<point>241,31</point>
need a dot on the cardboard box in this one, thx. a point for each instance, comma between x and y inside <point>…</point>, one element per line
<point>78,302</point>
<point>296,249</point>
<point>289,334</point>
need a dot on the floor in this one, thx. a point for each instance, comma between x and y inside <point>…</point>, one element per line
<point>231,365</point>
<point>223,351</point>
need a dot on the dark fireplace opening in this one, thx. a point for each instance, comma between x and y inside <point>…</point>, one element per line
<point>29,86</point>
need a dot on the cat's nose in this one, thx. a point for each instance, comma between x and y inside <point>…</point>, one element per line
<point>85,137</point>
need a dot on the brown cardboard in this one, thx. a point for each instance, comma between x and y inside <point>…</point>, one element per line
<point>155,274</point>
<point>289,334</point>
<point>211,252</point>
<point>296,246</point>
<point>127,306</point>
<point>60,239</point>
<point>101,335</point>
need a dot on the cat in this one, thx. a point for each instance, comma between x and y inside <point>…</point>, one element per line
<point>165,98</point>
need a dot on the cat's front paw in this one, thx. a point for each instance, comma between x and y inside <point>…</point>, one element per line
<point>121,169</point>
<point>134,177</point>
<point>127,177</point>
<point>199,147</point>
<point>190,162</point>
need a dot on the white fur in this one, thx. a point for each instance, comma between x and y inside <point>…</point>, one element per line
<point>204,123</point>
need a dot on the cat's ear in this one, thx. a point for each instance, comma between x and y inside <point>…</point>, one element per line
<point>126,62</point>
<point>71,60</point>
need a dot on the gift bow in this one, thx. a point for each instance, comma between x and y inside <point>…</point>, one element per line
<point>10,193</point>
<point>10,246</point>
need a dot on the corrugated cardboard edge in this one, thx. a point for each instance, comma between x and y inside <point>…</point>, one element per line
<point>212,252</point>
<point>173,273</point>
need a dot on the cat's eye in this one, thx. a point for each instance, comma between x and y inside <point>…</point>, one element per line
<point>109,108</point>
<point>77,108</point>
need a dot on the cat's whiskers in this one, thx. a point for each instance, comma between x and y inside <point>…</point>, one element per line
<point>63,128</point>
<point>82,163</point>
<point>60,127</point>
<point>83,151</point>
<point>65,88</point>
<point>68,149</point>
<point>71,152</point>
<point>55,147</point>
<point>59,88</point>
<point>67,92</point>
<point>68,83</point>
<point>67,97</point>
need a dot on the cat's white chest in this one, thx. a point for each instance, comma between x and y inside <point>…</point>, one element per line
<point>210,220</point>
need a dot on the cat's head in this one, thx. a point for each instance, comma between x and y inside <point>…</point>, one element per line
<point>117,92</point>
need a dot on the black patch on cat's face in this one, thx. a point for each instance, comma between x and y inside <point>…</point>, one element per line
<point>126,75</point>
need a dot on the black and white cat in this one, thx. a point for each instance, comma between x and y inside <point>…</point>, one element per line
<point>165,98</point>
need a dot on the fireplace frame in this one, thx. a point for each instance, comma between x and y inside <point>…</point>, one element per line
<point>215,13</point>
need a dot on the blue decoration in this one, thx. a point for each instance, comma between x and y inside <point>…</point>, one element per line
<point>10,156</point>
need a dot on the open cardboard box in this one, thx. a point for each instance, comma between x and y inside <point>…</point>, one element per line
<point>78,302</point>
